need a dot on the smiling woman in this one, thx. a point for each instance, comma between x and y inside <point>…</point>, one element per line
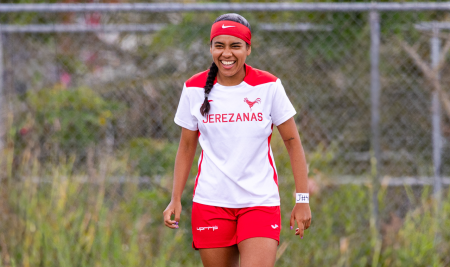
<point>229,54</point>
<point>235,35</point>
<point>231,109</point>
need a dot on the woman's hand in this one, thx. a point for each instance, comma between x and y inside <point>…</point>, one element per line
<point>301,212</point>
<point>183,163</point>
<point>302,215</point>
<point>174,207</point>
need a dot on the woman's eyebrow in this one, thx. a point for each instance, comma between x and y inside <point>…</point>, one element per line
<point>220,43</point>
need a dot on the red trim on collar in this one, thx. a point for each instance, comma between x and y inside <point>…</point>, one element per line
<point>199,80</point>
<point>254,77</point>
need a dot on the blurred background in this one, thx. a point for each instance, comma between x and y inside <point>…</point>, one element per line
<point>88,93</point>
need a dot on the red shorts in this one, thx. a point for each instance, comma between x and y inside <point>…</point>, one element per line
<point>215,227</point>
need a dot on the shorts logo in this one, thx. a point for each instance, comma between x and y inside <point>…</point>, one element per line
<point>275,226</point>
<point>251,103</point>
<point>208,227</point>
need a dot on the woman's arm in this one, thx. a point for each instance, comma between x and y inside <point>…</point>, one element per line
<point>301,212</point>
<point>183,163</point>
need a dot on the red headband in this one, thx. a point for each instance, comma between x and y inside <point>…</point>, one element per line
<point>232,28</point>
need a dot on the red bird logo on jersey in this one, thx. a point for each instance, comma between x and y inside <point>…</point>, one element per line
<point>251,103</point>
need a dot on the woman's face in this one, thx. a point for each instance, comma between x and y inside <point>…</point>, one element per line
<point>229,54</point>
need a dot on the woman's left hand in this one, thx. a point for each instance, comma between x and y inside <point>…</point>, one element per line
<point>302,215</point>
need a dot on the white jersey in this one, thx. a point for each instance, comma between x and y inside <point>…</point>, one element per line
<point>236,168</point>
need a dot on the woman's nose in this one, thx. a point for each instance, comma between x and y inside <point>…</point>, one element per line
<point>227,52</point>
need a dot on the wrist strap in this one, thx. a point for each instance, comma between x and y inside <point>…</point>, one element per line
<point>301,197</point>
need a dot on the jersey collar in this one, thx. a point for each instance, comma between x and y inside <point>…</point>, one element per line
<point>248,69</point>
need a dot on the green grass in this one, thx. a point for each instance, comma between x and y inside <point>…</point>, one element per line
<point>70,222</point>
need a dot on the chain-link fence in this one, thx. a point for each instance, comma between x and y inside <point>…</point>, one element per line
<point>89,93</point>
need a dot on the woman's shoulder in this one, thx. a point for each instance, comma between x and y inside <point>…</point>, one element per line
<point>197,80</point>
<point>256,77</point>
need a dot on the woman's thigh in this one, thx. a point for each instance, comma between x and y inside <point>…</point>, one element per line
<point>258,252</point>
<point>220,257</point>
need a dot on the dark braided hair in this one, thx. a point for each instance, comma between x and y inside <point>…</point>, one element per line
<point>213,69</point>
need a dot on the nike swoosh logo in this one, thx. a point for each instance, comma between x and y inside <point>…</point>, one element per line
<point>224,27</point>
<point>275,226</point>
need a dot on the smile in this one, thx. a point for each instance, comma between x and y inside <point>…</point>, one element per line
<point>227,63</point>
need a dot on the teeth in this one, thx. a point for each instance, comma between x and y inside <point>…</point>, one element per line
<point>228,62</point>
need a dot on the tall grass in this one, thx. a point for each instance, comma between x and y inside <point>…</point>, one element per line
<point>53,217</point>
<point>58,217</point>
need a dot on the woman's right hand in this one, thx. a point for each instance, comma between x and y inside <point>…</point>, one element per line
<point>174,207</point>
<point>183,162</point>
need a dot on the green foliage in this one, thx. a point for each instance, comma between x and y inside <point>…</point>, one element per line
<point>71,119</point>
<point>338,213</point>
<point>320,160</point>
<point>74,224</point>
<point>71,223</point>
<point>152,157</point>
<point>424,234</point>
<point>416,241</point>
<point>70,63</point>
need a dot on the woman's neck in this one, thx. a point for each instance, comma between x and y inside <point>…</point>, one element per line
<point>232,80</point>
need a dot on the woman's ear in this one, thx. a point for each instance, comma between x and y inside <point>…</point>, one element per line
<point>249,49</point>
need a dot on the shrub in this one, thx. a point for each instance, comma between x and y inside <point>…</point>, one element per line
<point>66,121</point>
<point>152,157</point>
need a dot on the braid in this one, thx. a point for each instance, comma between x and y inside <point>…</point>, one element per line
<point>204,109</point>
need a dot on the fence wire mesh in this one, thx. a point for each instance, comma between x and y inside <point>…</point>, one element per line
<point>89,140</point>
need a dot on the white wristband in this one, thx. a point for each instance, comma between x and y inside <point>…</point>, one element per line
<point>301,197</point>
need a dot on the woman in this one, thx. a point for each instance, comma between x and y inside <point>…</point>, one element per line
<point>231,109</point>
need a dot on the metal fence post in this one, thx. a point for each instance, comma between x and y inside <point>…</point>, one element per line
<point>2,106</point>
<point>436,122</point>
<point>374,18</point>
<point>435,43</point>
